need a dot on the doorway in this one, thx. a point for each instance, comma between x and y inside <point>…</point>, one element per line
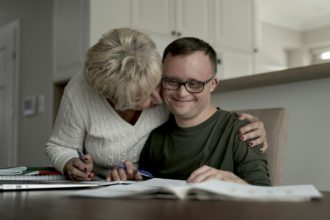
<point>9,35</point>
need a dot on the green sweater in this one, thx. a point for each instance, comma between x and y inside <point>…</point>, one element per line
<point>174,152</point>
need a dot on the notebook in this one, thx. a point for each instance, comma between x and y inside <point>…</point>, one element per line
<point>26,178</point>
<point>30,184</point>
<point>12,170</point>
<point>23,177</point>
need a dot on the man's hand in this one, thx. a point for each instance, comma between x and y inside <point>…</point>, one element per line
<point>207,173</point>
<point>79,170</point>
<point>126,172</point>
<point>254,132</point>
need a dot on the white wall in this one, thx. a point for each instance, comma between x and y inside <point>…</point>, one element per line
<point>35,73</point>
<point>107,12</point>
<point>274,41</point>
<point>282,48</point>
<point>319,36</point>
<point>308,104</point>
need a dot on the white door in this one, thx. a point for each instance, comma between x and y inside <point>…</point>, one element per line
<point>8,101</point>
<point>193,18</point>
<point>234,24</point>
<point>153,16</point>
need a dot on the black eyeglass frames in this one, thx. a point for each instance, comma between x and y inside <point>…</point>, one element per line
<point>193,86</point>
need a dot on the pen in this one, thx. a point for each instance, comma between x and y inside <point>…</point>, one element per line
<point>80,154</point>
<point>141,172</point>
<point>81,157</point>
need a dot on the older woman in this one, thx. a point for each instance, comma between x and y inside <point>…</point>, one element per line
<point>109,111</point>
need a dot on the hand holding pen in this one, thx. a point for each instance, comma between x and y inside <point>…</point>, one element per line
<point>80,168</point>
<point>127,171</point>
<point>87,161</point>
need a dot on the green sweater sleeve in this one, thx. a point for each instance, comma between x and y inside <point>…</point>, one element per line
<point>250,162</point>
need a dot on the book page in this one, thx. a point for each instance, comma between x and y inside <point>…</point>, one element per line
<point>213,189</point>
<point>216,189</point>
<point>159,182</point>
<point>259,193</point>
<point>178,188</point>
<point>137,189</point>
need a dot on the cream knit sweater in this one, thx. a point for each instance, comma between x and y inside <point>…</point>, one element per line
<point>86,119</point>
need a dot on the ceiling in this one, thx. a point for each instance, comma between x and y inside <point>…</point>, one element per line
<point>295,14</point>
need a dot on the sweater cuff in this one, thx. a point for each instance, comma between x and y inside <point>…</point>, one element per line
<point>62,159</point>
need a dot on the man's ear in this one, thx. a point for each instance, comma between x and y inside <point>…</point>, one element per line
<point>214,83</point>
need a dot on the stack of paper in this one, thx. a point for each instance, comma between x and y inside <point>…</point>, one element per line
<point>12,171</point>
<point>30,174</point>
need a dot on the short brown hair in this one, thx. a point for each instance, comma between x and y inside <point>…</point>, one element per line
<point>189,45</point>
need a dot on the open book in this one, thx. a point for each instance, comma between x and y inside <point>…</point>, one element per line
<point>213,189</point>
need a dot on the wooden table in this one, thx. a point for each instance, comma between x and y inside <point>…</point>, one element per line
<point>57,205</point>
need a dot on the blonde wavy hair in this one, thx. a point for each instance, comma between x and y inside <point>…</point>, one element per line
<point>124,66</point>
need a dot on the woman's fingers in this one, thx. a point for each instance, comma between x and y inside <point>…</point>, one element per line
<point>130,169</point>
<point>247,117</point>
<point>254,132</point>
<point>114,175</point>
<point>75,169</point>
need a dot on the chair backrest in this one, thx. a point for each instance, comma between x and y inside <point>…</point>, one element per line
<point>276,122</point>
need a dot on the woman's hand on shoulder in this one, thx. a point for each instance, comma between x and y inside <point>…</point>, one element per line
<point>254,132</point>
<point>78,170</point>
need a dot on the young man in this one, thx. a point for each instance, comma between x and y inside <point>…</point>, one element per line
<point>199,142</point>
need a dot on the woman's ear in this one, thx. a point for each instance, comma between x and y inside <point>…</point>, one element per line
<point>214,83</point>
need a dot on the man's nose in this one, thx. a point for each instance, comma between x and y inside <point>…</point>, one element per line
<point>182,91</point>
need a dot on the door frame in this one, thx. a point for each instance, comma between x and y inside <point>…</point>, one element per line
<point>13,29</point>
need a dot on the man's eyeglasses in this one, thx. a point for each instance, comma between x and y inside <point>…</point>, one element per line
<point>192,86</point>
